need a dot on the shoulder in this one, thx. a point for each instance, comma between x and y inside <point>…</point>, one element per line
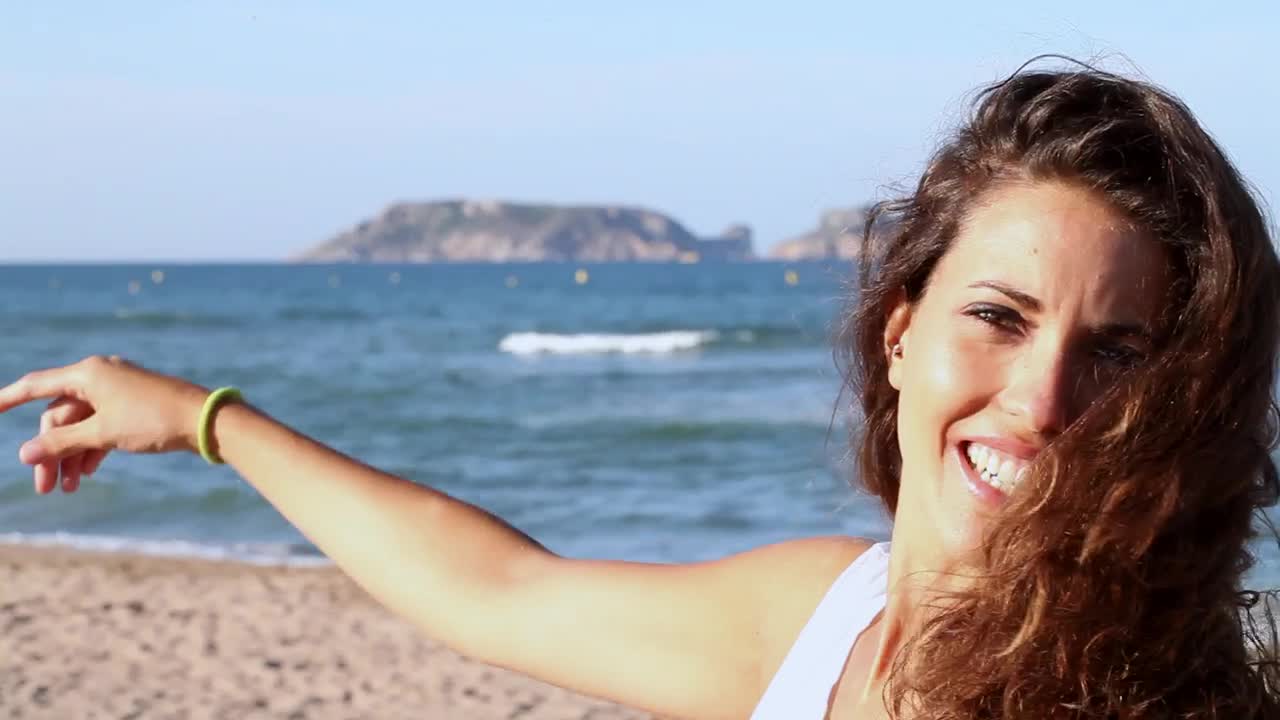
<point>799,572</point>
<point>813,560</point>
<point>793,577</point>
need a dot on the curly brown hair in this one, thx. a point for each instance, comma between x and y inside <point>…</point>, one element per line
<point>1114,588</point>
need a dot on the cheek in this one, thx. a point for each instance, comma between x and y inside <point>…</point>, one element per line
<point>975,368</point>
<point>944,381</point>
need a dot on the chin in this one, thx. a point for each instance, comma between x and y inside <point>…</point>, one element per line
<point>966,509</point>
<point>942,517</point>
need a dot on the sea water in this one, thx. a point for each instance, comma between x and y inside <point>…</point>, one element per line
<point>651,412</point>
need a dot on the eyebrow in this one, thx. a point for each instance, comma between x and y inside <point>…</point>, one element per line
<point>1017,296</point>
<point>1110,330</point>
<point>1120,331</point>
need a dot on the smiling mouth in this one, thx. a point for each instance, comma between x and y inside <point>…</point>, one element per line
<point>1001,471</point>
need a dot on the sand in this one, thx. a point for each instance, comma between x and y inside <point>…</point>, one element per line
<point>104,635</point>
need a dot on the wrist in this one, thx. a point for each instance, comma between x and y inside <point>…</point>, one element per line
<point>213,405</point>
<point>190,403</point>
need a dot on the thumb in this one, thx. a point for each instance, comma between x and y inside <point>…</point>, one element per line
<point>59,442</point>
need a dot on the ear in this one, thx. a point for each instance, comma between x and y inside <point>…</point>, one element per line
<point>896,329</point>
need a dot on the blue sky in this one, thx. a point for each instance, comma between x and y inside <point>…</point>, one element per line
<point>185,130</point>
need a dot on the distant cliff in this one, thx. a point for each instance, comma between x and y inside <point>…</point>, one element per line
<point>491,231</point>
<point>838,235</point>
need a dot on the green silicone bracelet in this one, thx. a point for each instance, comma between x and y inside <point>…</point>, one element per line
<point>211,404</point>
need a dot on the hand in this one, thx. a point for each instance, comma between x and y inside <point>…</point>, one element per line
<point>98,405</point>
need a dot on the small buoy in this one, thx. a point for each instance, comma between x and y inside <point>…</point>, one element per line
<point>334,280</point>
<point>54,283</point>
<point>394,278</point>
<point>581,277</point>
<point>135,287</point>
<point>791,277</point>
<point>157,277</point>
<point>512,281</point>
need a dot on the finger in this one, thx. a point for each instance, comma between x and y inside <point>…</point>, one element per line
<point>72,469</point>
<point>93,460</point>
<point>60,442</point>
<point>68,410</point>
<point>46,470</point>
<point>51,383</point>
<point>62,411</point>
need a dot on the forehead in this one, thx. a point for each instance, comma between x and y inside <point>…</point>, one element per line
<point>1060,244</point>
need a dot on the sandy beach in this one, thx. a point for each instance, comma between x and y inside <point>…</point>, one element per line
<point>98,635</point>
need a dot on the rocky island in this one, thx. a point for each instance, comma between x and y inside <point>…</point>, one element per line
<point>838,236</point>
<point>493,231</point>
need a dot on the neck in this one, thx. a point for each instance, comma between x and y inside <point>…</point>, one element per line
<point>918,574</point>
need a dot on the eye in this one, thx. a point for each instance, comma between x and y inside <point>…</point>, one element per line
<point>997,316</point>
<point>1120,355</point>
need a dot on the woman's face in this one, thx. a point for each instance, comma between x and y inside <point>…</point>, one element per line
<point>1044,298</point>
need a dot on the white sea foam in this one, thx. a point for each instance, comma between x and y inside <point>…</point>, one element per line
<point>252,553</point>
<point>660,343</point>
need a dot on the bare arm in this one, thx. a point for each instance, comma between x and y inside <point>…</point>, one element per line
<point>422,553</point>
<point>696,641</point>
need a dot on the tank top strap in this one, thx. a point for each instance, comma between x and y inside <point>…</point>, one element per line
<point>801,688</point>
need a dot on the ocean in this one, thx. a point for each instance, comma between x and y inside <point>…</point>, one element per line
<point>666,413</point>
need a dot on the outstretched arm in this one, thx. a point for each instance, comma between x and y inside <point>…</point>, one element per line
<point>697,640</point>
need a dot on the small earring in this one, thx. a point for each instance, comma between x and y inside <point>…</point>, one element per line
<point>897,350</point>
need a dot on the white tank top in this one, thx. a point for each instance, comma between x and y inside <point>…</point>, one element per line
<point>802,686</point>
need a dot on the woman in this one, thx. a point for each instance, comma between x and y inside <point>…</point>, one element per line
<point>1064,349</point>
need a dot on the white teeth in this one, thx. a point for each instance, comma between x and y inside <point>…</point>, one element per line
<point>1002,473</point>
<point>993,464</point>
<point>1006,473</point>
<point>978,456</point>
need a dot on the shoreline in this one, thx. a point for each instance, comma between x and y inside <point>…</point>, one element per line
<point>108,634</point>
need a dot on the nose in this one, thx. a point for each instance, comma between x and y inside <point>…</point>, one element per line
<point>1040,391</point>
